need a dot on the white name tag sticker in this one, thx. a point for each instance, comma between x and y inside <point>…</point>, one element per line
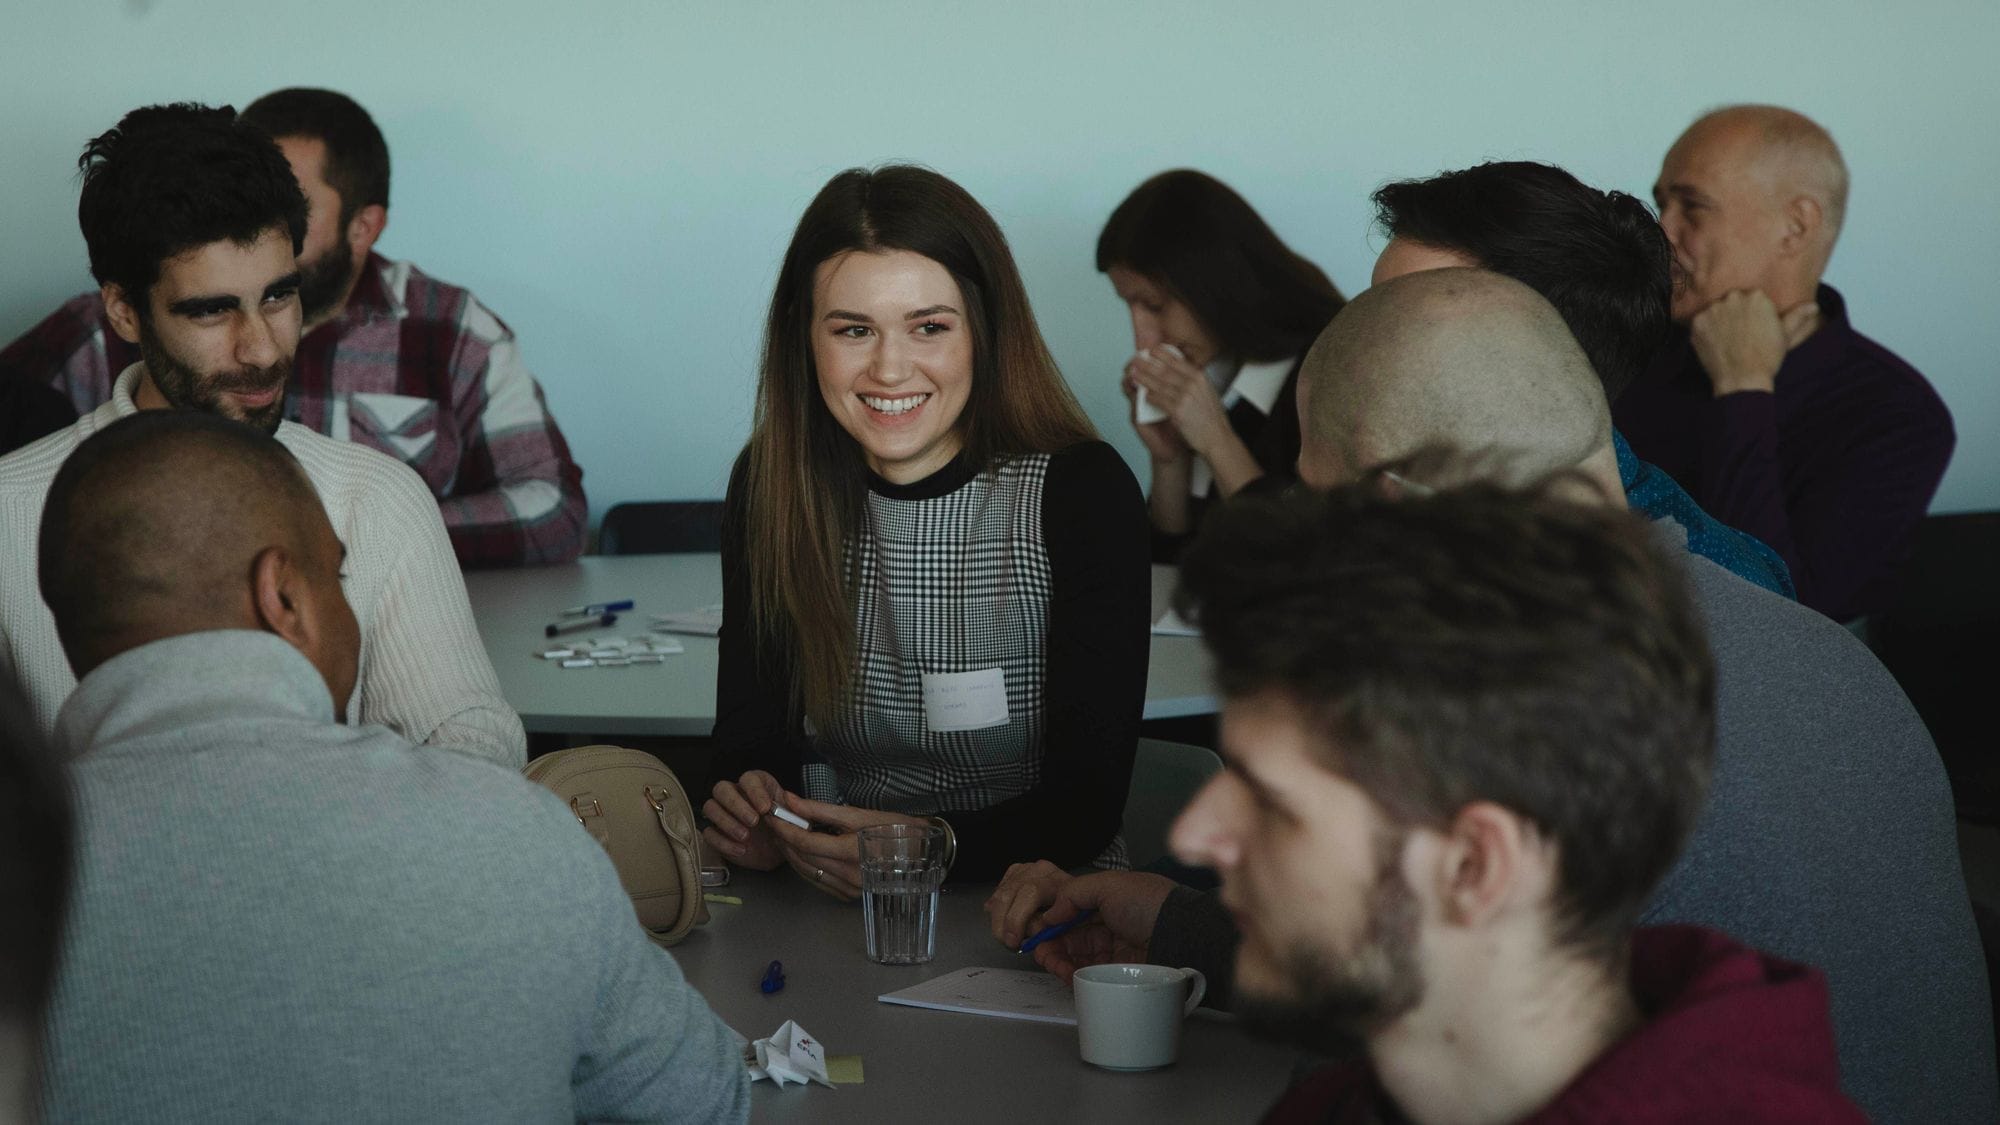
<point>965,700</point>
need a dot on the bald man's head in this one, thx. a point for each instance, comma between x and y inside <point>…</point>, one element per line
<point>1789,151</point>
<point>173,522</point>
<point>1752,197</point>
<point>1459,359</point>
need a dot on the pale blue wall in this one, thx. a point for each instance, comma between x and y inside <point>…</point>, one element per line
<point>618,179</point>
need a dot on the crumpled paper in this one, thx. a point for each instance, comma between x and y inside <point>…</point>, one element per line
<point>788,1055</point>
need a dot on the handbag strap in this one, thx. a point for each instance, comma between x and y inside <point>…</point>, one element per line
<point>670,806</point>
<point>589,812</point>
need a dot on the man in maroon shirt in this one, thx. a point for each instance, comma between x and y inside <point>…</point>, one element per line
<point>1466,732</point>
<point>1464,735</point>
<point>1766,405</point>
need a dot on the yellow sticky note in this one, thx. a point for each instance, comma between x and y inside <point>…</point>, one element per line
<point>844,1070</point>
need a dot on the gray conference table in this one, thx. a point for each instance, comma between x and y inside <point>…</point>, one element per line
<point>922,1065</point>
<point>677,697</point>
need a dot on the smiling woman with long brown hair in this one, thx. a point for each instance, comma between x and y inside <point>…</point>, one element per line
<point>934,575</point>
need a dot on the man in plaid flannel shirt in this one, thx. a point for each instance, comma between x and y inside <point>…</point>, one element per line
<point>391,358</point>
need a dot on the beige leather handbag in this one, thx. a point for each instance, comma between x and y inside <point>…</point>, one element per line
<point>636,808</point>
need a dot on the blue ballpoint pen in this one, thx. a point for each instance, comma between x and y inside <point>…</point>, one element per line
<point>597,608</point>
<point>1050,933</point>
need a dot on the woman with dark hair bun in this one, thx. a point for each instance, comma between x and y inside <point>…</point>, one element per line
<point>935,591</point>
<point>1222,313</point>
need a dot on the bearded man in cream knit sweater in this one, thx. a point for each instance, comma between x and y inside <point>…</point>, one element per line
<point>194,222</point>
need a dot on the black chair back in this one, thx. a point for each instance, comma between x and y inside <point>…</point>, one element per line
<point>1941,640</point>
<point>661,527</point>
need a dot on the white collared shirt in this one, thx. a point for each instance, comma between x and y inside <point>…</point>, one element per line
<point>1255,383</point>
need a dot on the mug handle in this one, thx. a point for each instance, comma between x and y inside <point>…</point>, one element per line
<point>1195,993</point>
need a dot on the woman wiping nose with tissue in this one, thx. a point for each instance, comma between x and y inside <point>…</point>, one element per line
<point>1222,313</point>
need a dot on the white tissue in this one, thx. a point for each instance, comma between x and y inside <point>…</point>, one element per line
<point>789,1055</point>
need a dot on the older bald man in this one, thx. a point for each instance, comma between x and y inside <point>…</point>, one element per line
<point>1766,404</point>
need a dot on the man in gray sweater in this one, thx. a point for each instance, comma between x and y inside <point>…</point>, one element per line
<point>278,917</point>
<point>1828,835</point>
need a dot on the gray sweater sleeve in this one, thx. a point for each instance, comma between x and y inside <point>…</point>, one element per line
<point>653,1050</point>
<point>1193,931</point>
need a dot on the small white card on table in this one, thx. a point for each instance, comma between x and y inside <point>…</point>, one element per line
<point>703,622</point>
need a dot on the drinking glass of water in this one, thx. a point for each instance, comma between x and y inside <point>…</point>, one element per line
<point>901,867</point>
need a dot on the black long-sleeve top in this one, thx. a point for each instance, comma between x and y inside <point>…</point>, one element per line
<point>1038,567</point>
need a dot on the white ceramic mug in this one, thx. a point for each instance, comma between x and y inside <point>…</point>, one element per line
<point>1128,1017</point>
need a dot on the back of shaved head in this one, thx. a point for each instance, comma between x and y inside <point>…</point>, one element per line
<point>151,528</point>
<point>1463,359</point>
